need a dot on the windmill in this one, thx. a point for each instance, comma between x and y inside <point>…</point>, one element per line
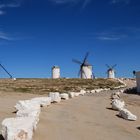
<point>111,72</point>
<point>85,71</point>
<point>55,72</point>
<point>6,71</point>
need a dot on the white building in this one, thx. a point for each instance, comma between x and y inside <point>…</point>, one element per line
<point>86,72</point>
<point>55,72</point>
<point>138,81</point>
<point>111,73</point>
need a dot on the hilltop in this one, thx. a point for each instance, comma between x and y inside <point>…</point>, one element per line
<point>44,86</point>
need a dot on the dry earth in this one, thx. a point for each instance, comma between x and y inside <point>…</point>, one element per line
<point>86,118</point>
<point>44,86</point>
<point>81,118</point>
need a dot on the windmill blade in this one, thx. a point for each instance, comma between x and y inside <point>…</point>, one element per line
<point>86,56</point>
<point>6,71</point>
<point>79,73</point>
<point>108,66</point>
<point>76,61</point>
<point>114,66</point>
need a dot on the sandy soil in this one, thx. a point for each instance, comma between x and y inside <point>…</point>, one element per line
<point>81,118</point>
<point>86,118</point>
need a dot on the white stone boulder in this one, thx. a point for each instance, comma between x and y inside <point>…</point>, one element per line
<point>64,96</point>
<point>117,104</point>
<point>92,91</point>
<point>106,89</point>
<point>115,95</point>
<point>118,87</point>
<point>17,128</point>
<point>14,79</point>
<point>98,90</point>
<point>71,94</point>
<point>123,86</point>
<point>88,91</point>
<point>76,94</point>
<point>43,101</point>
<point>27,104</point>
<point>126,114</point>
<point>34,113</point>
<point>55,97</point>
<point>82,92</point>
<point>121,91</point>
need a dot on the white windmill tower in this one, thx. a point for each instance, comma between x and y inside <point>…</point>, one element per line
<point>111,71</point>
<point>85,71</point>
<point>55,72</point>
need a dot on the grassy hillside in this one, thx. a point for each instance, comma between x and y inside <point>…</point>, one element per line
<point>44,86</point>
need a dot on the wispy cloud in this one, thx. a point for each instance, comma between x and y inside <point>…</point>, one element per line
<point>8,4</point>
<point>4,36</point>
<point>11,37</point>
<point>63,1</point>
<point>75,2</point>
<point>120,1</point>
<point>108,38</point>
<point>118,33</point>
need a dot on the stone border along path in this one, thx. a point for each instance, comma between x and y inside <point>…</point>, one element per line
<point>119,105</point>
<point>27,116</point>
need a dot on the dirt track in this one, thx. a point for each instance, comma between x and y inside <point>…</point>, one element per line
<point>80,118</point>
<point>86,118</point>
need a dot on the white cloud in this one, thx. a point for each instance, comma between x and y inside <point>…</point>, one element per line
<point>120,1</point>
<point>60,2</point>
<point>8,37</point>
<point>63,1</point>
<point>108,38</point>
<point>8,4</point>
<point>112,35</point>
<point>118,33</point>
<point>4,36</point>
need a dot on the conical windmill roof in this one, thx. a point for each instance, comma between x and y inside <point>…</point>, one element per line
<point>110,69</point>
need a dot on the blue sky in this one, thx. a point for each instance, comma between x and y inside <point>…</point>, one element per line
<point>37,34</point>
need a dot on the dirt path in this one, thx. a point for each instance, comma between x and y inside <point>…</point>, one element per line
<point>80,118</point>
<point>86,118</point>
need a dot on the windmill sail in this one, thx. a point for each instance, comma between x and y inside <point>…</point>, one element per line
<point>85,71</point>
<point>6,71</point>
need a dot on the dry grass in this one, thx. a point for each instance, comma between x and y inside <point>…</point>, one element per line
<point>44,86</point>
